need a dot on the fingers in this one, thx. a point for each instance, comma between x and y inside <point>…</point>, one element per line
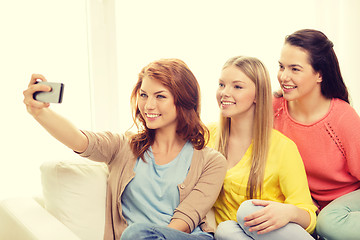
<point>35,77</point>
<point>255,218</point>
<point>33,87</point>
<point>267,219</point>
<point>29,101</point>
<point>29,92</point>
<point>260,202</point>
<point>264,228</point>
<point>255,215</point>
<point>263,224</point>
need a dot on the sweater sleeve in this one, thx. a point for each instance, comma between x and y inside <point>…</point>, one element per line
<point>200,198</point>
<point>347,133</point>
<point>293,182</point>
<point>102,147</point>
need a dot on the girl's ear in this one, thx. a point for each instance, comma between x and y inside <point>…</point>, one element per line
<point>319,77</point>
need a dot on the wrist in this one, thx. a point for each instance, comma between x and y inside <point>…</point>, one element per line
<point>300,216</point>
<point>180,225</point>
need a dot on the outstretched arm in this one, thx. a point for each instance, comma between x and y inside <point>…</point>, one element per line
<point>56,125</point>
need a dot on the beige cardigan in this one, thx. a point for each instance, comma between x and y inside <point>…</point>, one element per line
<point>198,192</point>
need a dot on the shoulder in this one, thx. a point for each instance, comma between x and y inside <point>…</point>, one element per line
<point>209,153</point>
<point>277,101</point>
<point>343,110</point>
<point>209,156</point>
<point>278,137</point>
<point>284,151</point>
<point>278,105</point>
<point>343,119</point>
<point>279,142</point>
<point>213,127</point>
<point>343,116</point>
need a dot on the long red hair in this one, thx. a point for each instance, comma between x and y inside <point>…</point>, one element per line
<point>176,76</point>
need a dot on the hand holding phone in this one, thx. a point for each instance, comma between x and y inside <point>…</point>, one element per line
<point>54,96</point>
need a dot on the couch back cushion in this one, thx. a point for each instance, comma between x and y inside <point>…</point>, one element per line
<point>75,193</point>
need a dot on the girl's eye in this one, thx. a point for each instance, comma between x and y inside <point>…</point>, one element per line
<point>237,87</point>
<point>281,67</point>
<point>295,69</point>
<point>143,95</point>
<point>160,96</point>
<point>221,85</point>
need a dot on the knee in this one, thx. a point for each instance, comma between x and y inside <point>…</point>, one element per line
<point>331,222</point>
<point>225,230</point>
<point>325,225</point>
<point>246,208</point>
<point>135,231</point>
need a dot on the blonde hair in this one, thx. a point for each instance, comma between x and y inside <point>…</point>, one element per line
<point>257,72</point>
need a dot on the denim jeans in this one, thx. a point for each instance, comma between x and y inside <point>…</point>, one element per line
<point>140,231</point>
<point>340,219</point>
<point>231,230</point>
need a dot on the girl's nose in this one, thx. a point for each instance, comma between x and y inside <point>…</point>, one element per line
<point>150,103</point>
<point>284,76</point>
<point>225,92</point>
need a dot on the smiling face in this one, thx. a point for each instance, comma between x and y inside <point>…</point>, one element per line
<point>156,105</point>
<point>296,76</point>
<point>236,93</point>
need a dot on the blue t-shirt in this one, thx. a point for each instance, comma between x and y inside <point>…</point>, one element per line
<point>153,194</point>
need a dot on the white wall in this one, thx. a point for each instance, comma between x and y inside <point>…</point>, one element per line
<point>51,37</point>
<point>47,37</point>
<point>206,33</point>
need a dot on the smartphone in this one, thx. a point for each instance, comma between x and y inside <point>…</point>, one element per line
<point>54,96</point>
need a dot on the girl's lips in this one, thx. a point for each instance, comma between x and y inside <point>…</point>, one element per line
<point>288,88</point>
<point>152,116</point>
<point>225,104</point>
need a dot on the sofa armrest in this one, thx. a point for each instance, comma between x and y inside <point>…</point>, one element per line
<point>24,218</point>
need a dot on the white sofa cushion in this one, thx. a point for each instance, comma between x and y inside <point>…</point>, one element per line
<point>75,193</point>
<point>23,218</point>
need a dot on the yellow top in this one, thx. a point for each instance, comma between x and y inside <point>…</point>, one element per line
<point>285,180</point>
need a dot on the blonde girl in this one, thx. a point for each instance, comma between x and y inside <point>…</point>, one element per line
<point>265,194</point>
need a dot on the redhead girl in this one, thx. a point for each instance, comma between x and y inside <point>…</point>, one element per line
<point>162,180</point>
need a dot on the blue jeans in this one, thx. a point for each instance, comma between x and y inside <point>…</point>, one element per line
<point>340,219</point>
<point>141,231</point>
<point>231,230</point>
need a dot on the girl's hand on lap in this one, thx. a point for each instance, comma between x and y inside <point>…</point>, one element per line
<point>274,215</point>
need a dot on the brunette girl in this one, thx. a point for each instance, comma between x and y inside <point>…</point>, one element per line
<point>313,110</point>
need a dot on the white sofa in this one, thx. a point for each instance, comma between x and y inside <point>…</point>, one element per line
<point>72,206</point>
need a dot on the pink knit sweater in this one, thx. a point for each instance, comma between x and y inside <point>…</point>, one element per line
<point>329,147</point>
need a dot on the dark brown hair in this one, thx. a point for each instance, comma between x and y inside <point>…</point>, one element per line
<point>322,59</point>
